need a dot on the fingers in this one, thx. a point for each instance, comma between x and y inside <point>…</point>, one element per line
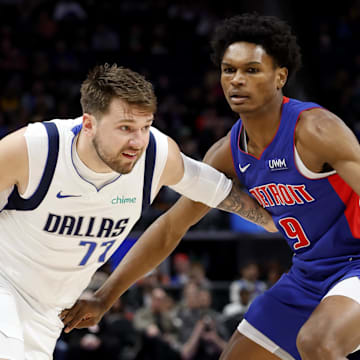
<point>71,317</point>
<point>63,314</point>
<point>77,317</point>
<point>85,323</point>
<point>80,324</point>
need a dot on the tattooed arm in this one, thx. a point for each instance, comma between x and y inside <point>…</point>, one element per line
<point>160,239</point>
<point>153,246</point>
<point>240,203</point>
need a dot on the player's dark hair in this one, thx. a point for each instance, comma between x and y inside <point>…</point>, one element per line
<point>106,82</point>
<point>273,34</point>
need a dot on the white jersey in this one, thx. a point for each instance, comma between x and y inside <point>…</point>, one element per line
<point>54,240</point>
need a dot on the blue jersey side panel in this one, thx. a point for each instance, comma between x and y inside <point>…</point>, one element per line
<point>319,218</point>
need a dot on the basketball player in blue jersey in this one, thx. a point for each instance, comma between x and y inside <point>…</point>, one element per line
<point>302,164</point>
<point>70,192</point>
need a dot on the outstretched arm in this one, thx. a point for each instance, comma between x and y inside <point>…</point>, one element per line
<point>158,241</point>
<point>240,203</point>
<point>154,245</point>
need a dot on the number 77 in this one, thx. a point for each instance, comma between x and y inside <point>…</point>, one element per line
<point>92,246</point>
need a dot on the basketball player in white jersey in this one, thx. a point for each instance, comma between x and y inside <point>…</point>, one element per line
<point>199,183</point>
<point>71,193</point>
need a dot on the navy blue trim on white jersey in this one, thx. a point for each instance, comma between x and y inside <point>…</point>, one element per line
<point>15,201</point>
<point>149,172</point>
<point>76,129</point>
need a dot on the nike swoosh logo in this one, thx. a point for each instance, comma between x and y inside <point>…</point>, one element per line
<point>61,196</point>
<point>244,168</point>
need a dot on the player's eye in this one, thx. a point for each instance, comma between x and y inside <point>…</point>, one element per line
<point>252,70</point>
<point>228,70</point>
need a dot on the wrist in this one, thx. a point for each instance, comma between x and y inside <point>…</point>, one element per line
<point>104,301</point>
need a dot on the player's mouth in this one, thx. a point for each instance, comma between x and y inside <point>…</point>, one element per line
<point>238,99</point>
<point>131,155</point>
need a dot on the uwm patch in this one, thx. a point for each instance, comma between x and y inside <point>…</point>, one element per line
<point>277,164</point>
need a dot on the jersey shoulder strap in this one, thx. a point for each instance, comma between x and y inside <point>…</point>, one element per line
<point>15,201</point>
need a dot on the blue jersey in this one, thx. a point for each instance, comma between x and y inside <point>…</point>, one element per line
<point>319,218</point>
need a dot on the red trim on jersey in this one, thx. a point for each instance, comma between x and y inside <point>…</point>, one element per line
<point>351,200</point>
<point>285,100</point>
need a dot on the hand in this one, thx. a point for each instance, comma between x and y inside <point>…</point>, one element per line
<point>209,324</point>
<point>209,336</point>
<point>85,313</point>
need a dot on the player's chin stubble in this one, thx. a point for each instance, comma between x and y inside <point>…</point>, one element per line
<point>113,162</point>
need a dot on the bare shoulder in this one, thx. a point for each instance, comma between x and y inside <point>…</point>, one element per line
<point>14,143</point>
<point>317,125</point>
<point>14,158</point>
<point>322,138</point>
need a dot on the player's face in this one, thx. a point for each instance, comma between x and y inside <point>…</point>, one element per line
<point>249,77</point>
<point>122,135</point>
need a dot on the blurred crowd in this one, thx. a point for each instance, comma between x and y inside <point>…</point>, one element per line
<point>177,314</point>
<point>47,48</point>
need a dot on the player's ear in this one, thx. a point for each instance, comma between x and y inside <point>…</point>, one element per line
<point>88,124</point>
<point>281,77</point>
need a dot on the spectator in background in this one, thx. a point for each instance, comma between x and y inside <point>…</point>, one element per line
<point>188,310</point>
<point>239,308</point>
<point>206,337</point>
<point>121,339</point>
<point>69,10</point>
<point>198,275</point>
<point>249,278</point>
<point>234,311</point>
<point>158,328</point>
<point>140,294</point>
<point>182,268</point>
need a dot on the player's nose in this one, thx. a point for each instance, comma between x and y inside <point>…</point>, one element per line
<point>138,139</point>
<point>238,78</point>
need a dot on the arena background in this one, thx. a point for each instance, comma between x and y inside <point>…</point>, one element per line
<point>47,48</point>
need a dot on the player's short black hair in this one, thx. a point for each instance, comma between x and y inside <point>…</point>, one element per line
<point>273,34</point>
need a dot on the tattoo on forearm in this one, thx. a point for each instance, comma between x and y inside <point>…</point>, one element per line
<point>242,204</point>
